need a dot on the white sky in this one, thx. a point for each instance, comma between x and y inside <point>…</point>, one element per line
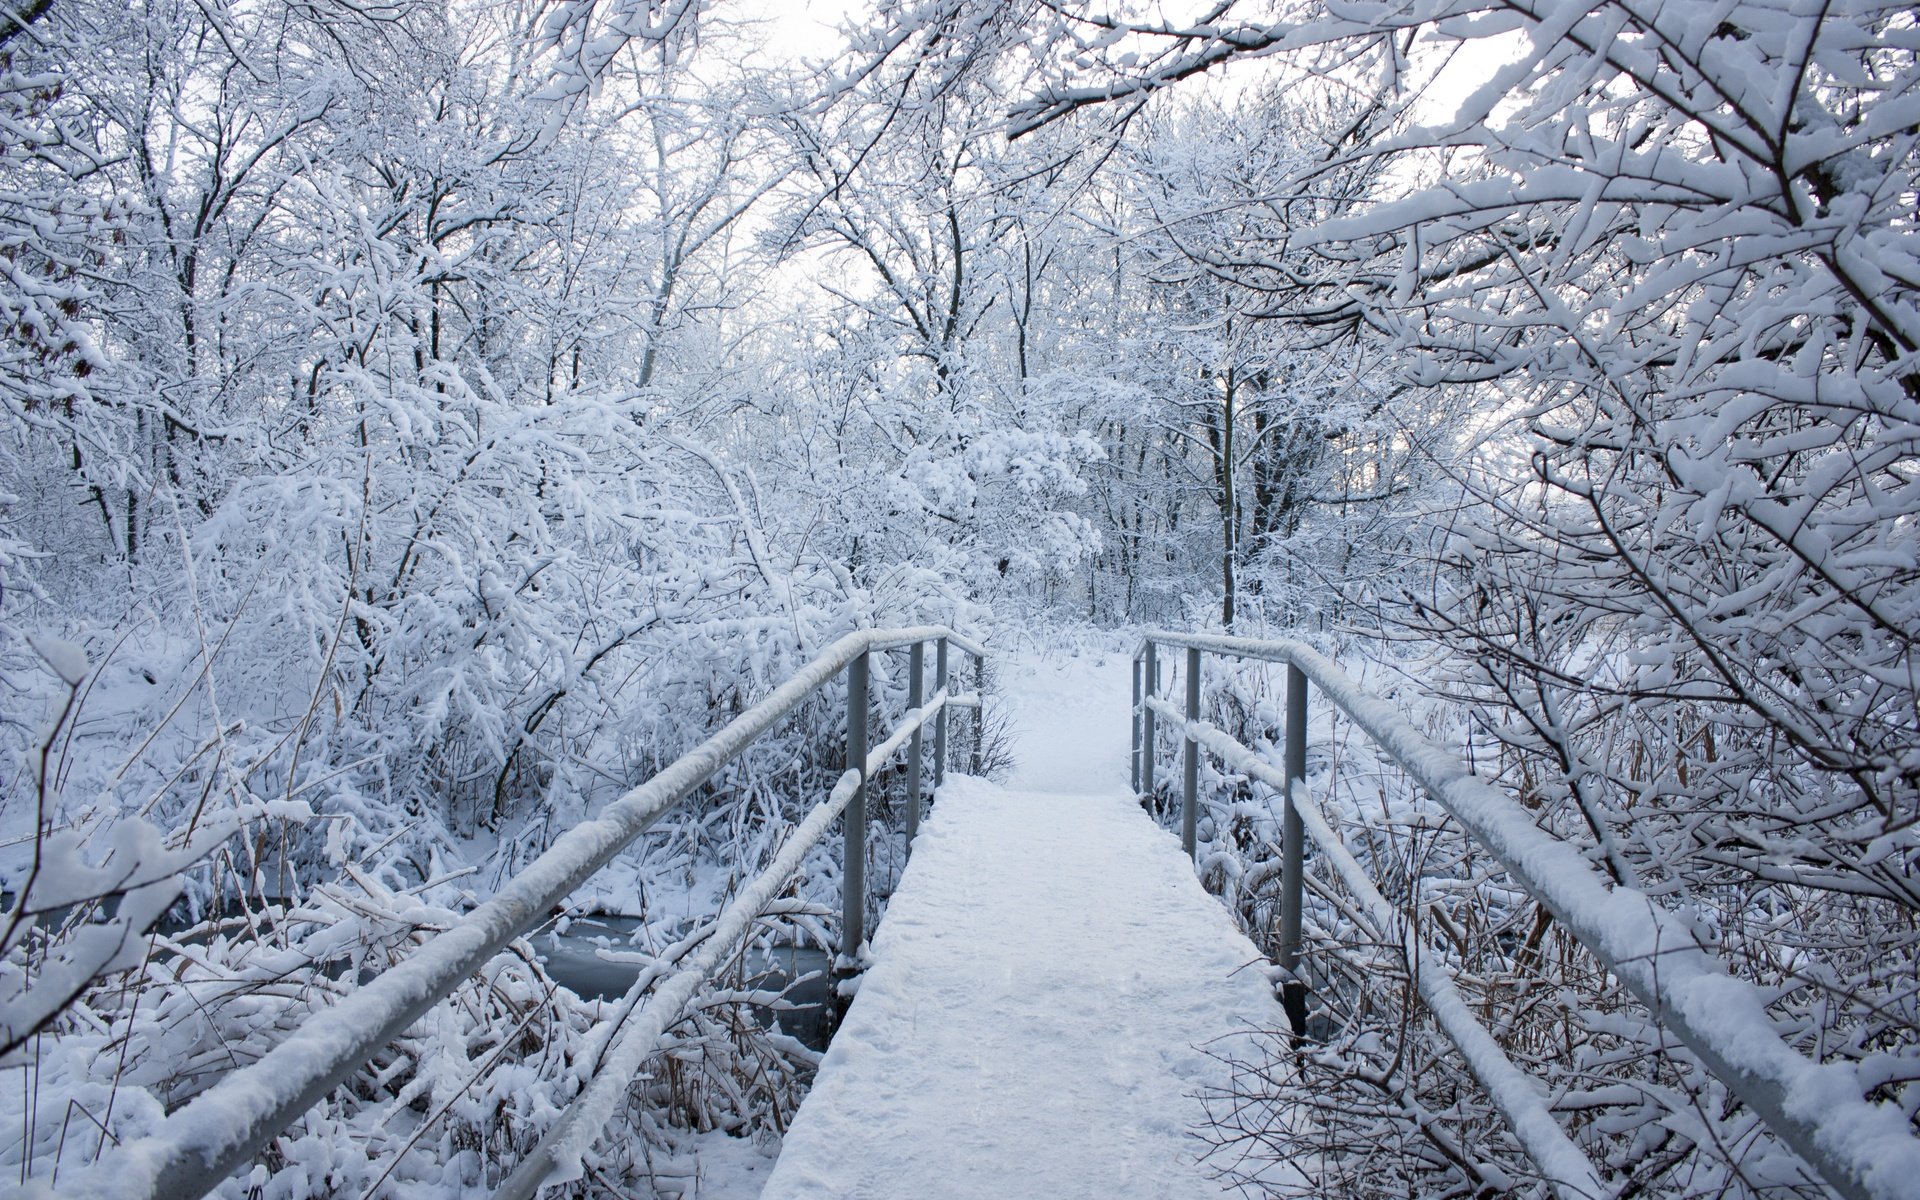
<point>797,30</point>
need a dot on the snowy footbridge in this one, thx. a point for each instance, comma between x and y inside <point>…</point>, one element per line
<point>1038,1016</point>
<point>1052,992</point>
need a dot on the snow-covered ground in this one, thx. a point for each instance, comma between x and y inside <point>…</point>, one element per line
<point>1048,988</point>
<point>1068,720</point>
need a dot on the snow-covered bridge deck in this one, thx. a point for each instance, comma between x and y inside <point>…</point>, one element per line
<point>1047,997</point>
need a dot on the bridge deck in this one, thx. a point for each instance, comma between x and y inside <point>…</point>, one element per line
<point>1049,990</point>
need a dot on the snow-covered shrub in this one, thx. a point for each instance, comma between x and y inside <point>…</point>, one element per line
<point>1377,1091</point>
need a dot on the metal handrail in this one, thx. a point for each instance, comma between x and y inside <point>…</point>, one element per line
<point>1566,1168</point>
<point>557,1157</point>
<point>1862,1150</point>
<point>196,1147</point>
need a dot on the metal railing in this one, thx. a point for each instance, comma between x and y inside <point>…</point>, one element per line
<point>1862,1150</point>
<point>221,1130</point>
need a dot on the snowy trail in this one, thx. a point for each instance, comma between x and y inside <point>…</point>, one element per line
<point>1045,988</point>
<point>1069,723</point>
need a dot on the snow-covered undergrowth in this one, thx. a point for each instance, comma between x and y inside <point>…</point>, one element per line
<point>1379,1094</point>
<point>468,1090</point>
<point>298,855</point>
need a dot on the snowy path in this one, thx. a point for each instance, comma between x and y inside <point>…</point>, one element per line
<point>1045,987</point>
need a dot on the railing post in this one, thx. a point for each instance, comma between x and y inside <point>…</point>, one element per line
<point>916,667</point>
<point>1293,995</point>
<point>853,871</point>
<point>1133,727</point>
<point>1151,683</point>
<point>940,718</point>
<point>978,758</point>
<point>1190,781</point>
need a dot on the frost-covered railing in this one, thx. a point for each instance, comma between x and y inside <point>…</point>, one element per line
<point>203,1142</point>
<point>1862,1150</point>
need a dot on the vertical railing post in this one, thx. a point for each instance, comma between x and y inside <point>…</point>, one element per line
<point>978,758</point>
<point>1293,995</point>
<point>1150,681</point>
<point>1190,772</point>
<point>916,667</point>
<point>853,871</point>
<point>1133,725</point>
<point>940,718</point>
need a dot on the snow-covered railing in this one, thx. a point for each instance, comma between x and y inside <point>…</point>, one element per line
<point>1863,1150</point>
<point>196,1147</point>
<point>557,1158</point>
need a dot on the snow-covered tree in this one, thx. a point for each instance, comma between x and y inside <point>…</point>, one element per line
<point>1667,253</point>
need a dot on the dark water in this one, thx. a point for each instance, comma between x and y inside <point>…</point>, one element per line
<point>572,959</point>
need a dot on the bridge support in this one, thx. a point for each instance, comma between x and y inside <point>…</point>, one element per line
<point>1293,995</point>
<point>940,718</point>
<point>1133,760</point>
<point>977,760</point>
<point>1151,684</point>
<point>1190,773</point>
<point>853,869</point>
<point>916,667</point>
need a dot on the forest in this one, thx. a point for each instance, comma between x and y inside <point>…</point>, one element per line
<point>421,421</point>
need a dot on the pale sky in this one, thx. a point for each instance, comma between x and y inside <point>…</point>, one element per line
<point>798,29</point>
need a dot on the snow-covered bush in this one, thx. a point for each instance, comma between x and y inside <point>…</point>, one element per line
<point>359,397</point>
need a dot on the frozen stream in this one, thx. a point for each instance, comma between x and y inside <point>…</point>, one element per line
<point>573,960</point>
